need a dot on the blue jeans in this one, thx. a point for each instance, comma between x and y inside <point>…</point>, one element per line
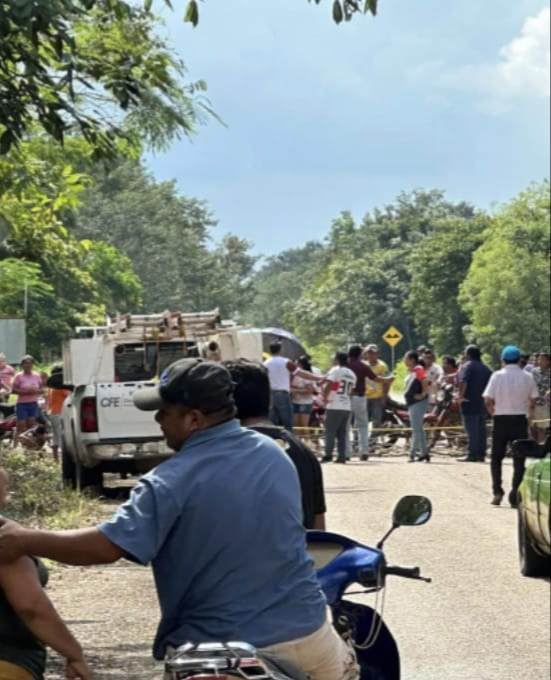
<point>375,410</point>
<point>475,427</point>
<point>282,410</point>
<point>417,413</point>
<point>361,421</point>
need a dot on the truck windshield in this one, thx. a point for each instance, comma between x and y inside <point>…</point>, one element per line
<point>146,361</point>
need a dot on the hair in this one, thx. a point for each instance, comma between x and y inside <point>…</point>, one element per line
<point>305,362</point>
<point>341,358</point>
<point>276,348</point>
<point>355,351</point>
<point>3,356</point>
<point>421,349</point>
<point>430,352</point>
<point>473,352</point>
<point>413,355</point>
<point>26,358</point>
<point>544,354</point>
<point>450,360</point>
<point>252,391</point>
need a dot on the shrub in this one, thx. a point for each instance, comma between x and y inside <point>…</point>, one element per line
<point>37,496</point>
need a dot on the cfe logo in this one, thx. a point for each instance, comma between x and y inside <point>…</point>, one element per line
<point>393,337</point>
<point>111,402</point>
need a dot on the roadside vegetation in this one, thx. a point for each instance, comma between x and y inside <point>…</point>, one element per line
<point>37,496</point>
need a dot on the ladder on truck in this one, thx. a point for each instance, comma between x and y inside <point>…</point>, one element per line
<point>167,326</point>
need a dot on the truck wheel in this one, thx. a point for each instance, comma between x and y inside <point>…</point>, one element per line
<point>68,469</point>
<point>72,473</point>
<point>531,563</point>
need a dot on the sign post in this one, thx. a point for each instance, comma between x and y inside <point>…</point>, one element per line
<point>393,337</point>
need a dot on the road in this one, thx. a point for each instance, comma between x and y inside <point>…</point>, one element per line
<point>479,620</point>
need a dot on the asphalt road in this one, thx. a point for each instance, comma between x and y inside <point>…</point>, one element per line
<point>480,619</point>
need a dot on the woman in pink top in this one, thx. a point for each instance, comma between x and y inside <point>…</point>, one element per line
<point>29,387</point>
<point>417,399</point>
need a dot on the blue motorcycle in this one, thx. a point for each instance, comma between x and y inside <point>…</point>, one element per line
<point>341,564</point>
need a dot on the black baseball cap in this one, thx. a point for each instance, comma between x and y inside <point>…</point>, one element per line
<point>193,383</point>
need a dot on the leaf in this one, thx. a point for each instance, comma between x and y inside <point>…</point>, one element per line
<point>192,13</point>
<point>371,6</point>
<point>338,12</point>
<point>148,4</point>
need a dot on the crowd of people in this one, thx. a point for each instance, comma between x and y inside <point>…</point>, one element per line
<point>353,394</point>
<point>37,408</point>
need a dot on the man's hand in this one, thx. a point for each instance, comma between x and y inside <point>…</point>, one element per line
<point>11,541</point>
<point>78,670</point>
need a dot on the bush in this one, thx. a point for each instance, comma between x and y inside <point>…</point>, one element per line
<point>37,496</point>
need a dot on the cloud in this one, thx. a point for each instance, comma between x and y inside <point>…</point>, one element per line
<point>523,69</point>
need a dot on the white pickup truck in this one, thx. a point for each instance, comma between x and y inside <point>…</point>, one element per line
<point>103,431</point>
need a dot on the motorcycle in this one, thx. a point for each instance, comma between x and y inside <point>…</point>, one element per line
<point>446,413</point>
<point>340,563</point>
<point>8,422</point>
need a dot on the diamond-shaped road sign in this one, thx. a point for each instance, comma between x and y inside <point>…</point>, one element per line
<point>393,337</point>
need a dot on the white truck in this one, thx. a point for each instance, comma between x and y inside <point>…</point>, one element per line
<point>103,431</point>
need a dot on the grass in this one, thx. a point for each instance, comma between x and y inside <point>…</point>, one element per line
<point>37,496</point>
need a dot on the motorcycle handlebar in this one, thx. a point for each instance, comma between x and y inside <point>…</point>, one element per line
<point>413,573</point>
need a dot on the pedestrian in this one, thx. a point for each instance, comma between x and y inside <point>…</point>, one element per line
<point>417,399</point>
<point>55,400</point>
<point>434,375</point>
<point>281,372</point>
<point>29,621</point>
<point>302,393</point>
<point>376,391</point>
<point>337,393</point>
<point>363,373</point>
<point>7,374</point>
<point>542,378</point>
<point>450,368</point>
<point>511,400</point>
<point>473,380</point>
<point>29,388</point>
<point>252,399</point>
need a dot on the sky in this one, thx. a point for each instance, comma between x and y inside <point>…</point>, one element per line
<point>323,118</point>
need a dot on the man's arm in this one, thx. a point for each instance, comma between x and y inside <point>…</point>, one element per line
<point>490,405</point>
<point>81,548</point>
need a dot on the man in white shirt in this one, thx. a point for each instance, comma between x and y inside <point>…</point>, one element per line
<point>338,389</point>
<point>511,400</point>
<point>281,371</point>
<point>434,375</point>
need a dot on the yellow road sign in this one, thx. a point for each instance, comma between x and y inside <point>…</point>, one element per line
<point>393,337</point>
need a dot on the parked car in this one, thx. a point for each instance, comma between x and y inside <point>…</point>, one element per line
<point>533,513</point>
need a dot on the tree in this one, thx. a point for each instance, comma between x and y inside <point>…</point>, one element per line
<point>282,281</point>
<point>96,68</point>
<point>166,237</point>
<point>363,282</point>
<point>438,266</point>
<point>507,292</point>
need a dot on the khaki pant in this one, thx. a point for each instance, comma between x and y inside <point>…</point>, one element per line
<point>323,655</point>
<point>10,672</point>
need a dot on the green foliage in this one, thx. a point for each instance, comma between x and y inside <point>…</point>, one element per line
<point>280,283</point>
<point>507,291</point>
<point>362,283</point>
<point>97,68</point>
<point>166,238</point>
<point>438,266</point>
<point>37,496</point>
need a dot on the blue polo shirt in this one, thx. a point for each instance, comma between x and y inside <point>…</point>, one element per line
<point>221,524</point>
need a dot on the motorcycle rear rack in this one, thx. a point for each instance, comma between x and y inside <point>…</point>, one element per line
<point>233,659</point>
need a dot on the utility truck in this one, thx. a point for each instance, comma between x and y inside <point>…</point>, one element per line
<point>103,431</point>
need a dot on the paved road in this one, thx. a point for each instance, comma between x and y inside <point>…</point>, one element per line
<point>479,620</point>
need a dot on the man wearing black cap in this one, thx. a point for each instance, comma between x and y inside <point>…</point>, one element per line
<point>224,536</point>
<point>511,400</point>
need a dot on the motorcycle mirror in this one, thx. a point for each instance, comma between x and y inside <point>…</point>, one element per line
<point>412,511</point>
